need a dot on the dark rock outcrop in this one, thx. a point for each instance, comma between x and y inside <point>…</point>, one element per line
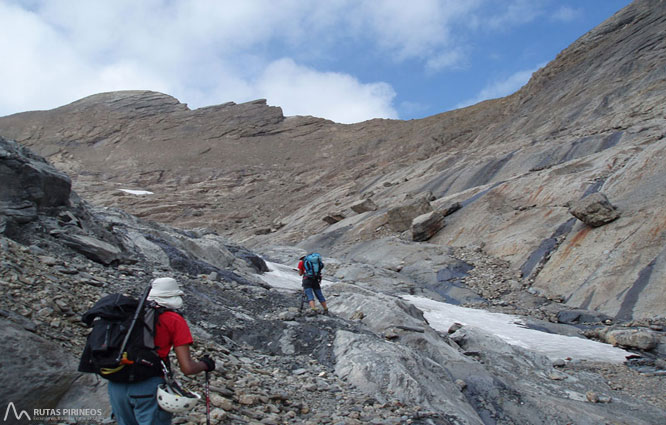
<point>29,184</point>
<point>642,339</point>
<point>363,206</point>
<point>400,218</point>
<point>581,316</point>
<point>333,218</point>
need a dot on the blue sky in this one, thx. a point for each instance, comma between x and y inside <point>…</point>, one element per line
<point>345,60</point>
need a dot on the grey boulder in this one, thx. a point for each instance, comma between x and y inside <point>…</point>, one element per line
<point>36,372</point>
<point>400,217</point>
<point>594,210</point>
<point>427,225</point>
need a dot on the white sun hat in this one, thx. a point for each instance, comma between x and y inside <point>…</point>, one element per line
<point>166,292</point>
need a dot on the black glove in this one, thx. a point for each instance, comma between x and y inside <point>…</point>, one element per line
<point>210,363</point>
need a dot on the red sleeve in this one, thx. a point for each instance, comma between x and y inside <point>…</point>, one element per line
<point>301,267</point>
<point>172,331</point>
<point>181,332</point>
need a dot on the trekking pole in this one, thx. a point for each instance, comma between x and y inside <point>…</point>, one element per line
<point>300,307</point>
<point>138,311</point>
<point>303,298</point>
<point>207,400</point>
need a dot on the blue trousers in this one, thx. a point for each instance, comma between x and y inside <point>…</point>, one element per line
<point>310,296</point>
<point>136,403</point>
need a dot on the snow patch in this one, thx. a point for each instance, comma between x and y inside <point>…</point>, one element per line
<point>513,330</point>
<point>285,277</point>
<point>136,192</point>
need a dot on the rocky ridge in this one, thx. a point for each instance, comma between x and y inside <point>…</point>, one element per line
<point>515,180</point>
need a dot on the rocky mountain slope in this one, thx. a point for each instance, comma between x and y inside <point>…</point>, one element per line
<point>592,120</point>
<point>377,360</point>
<point>547,203</point>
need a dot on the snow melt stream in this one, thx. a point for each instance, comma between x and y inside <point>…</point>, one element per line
<point>509,328</point>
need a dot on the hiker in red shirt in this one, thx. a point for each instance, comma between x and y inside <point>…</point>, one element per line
<point>312,283</point>
<point>136,403</point>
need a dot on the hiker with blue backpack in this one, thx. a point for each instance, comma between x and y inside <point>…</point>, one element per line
<point>310,267</point>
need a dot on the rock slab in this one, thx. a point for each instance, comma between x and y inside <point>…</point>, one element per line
<point>400,217</point>
<point>36,373</point>
<point>363,206</point>
<point>427,225</point>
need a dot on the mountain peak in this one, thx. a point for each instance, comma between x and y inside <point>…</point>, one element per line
<point>144,102</point>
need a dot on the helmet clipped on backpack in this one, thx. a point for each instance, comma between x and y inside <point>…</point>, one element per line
<point>174,401</point>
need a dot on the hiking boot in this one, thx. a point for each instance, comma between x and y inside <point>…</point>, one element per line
<point>311,312</point>
<point>325,313</point>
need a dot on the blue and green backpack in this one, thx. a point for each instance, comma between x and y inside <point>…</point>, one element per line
<point>313,265</point>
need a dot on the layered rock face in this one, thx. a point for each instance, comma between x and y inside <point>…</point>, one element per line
<point>591,121</point>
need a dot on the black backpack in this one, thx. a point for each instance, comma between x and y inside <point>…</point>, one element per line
<point>121,345</point>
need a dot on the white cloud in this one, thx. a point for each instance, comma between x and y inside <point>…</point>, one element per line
<point>413,31</point>
<point>566,14</point>
<point>452,59</point>
<point>204,52</point>
<point>212,51</point>
<point>300,90</point>
<point>515,12</point>
<point>425,30</point>
<point>46,70</point>
<point>501,88</point>
<point>37,61</point>
<point>127,75</point>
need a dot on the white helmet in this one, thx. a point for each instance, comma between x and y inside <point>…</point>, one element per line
<point>173,402</point>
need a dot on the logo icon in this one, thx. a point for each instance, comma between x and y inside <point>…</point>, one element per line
<point>16,414</point>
